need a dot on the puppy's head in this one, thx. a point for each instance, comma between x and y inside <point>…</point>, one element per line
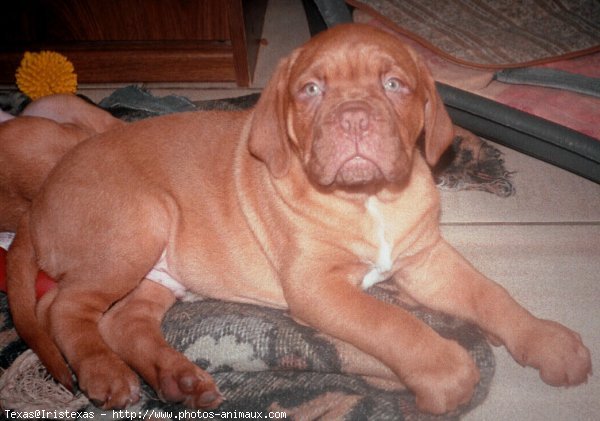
<point>350,105</point>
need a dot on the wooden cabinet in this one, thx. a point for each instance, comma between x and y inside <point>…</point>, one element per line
<point>137,40</point>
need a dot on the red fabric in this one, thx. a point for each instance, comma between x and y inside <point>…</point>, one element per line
<point>43,282</point>
<point>578,112</point>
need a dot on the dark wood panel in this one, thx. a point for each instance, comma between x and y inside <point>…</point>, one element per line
<point>116,20</point>
<point>151,40</point>
<point>163,62</point>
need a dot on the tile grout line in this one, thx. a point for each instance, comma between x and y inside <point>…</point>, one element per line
<point>500,223</point>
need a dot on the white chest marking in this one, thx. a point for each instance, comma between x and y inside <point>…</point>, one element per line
<point>160,274</point>
<point>380,269</point>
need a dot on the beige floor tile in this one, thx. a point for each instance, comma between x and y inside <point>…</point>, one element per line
<point>285,28</point>
<point>544,193</point>
<point>553,270</point>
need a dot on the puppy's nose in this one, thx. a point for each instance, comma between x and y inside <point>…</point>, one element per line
<point>354,119</point>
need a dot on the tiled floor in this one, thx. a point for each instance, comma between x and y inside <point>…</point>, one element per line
<point>542,244</point>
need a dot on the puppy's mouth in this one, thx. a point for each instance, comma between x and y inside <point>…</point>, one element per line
<point>356,168</point>
<point>356,144</point>
<point>357,171</point>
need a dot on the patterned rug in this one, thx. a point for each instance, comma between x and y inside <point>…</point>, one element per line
<point>494,33</point>
<point>261,359</point>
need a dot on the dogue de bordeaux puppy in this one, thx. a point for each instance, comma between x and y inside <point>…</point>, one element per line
<point>301,203</point>
<point>32,143</point>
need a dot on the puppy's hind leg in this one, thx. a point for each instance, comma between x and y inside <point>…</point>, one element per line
<point>132,328</point>
<point>73,319</point>
<point>88,289</point>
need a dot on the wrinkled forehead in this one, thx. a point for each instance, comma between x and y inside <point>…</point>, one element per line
<point>353,61</point>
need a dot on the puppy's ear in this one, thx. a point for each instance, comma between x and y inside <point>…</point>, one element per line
<point>439,131</point>
<point>268,138</point>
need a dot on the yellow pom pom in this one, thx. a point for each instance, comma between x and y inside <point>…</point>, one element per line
<point>46,73</point>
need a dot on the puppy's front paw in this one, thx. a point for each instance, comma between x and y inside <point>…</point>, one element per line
<point>108,382</point>
<point>444,377</point>
<point>556,351</point>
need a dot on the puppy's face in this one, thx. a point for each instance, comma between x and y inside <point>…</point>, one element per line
<point>351,105</point>
<point>355,112</point>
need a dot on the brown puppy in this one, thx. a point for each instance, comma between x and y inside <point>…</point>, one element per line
<point>32,143</point>
<point>303,202</point>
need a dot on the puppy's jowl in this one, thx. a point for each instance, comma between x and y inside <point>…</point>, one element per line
<point>304,201</point>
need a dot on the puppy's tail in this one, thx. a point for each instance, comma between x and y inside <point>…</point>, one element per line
<point>22,272</point>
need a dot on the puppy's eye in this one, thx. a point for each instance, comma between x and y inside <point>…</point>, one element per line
<point>393,84</point>
<point>312,89</point>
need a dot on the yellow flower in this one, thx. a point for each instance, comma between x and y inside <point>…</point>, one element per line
<point>46,73</point>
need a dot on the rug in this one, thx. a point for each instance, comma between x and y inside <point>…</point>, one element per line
<point>260,358</point>
<point>265,362</point>
<point>494,33</point>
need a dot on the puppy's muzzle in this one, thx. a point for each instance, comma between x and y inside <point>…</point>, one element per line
<point>354,118</point>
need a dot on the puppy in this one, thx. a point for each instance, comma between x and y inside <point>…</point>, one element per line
<point>302,203</point>
<point>32,143</point>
